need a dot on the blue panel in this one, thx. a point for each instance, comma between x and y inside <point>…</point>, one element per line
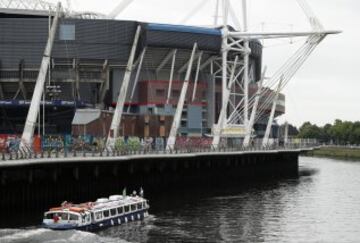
<point>194,117</point>
<point>184,29</point>
<point>67,32</point>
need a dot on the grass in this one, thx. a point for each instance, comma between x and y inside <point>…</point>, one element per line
<point>337,152</point>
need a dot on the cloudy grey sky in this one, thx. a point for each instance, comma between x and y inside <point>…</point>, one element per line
<point>327,87</point>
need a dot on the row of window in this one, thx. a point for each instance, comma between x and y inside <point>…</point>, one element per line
<point>118,211</point>
<point>174,93</point>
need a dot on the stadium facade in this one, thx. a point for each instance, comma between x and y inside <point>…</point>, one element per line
<point>88,62</point>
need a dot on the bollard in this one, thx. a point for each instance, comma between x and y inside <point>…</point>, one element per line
<point>57,153</point>
<point>3,156</point>
<point>42,154</point>
<point>49,154</point>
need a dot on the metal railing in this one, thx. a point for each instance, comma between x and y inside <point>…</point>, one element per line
<point>99,152</point>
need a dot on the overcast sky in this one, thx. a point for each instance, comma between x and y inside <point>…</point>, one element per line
<point>327,87</point>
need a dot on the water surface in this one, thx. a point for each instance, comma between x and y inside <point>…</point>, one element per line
<point>321,205</point>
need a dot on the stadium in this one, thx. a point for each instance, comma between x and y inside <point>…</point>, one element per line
<point>87,66</point>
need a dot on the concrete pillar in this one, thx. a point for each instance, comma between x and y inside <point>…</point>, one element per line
<point>76,173</point>
<point>30,176</point>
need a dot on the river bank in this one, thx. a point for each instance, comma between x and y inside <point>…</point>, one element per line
<point>337,152</point>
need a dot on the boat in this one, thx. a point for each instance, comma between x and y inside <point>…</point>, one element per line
<point>103,213</point>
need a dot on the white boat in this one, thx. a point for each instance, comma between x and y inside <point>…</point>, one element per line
<point>104,212</point>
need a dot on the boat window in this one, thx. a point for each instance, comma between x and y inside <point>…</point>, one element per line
<point>120,210</point>
<point>113,211</point>
<point>74,217</point>
<point>133,207</point>
<point>49,216</point>
<point>126,209</point>
<point>98,215</point>
<point>106,213</point>
<point>144,205</point>
<point>139,206</point>
<point>63,216</point>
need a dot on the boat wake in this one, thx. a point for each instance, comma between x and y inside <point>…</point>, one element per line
<point>37,235</point>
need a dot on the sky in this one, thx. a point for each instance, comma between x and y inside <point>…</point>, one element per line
<point>327,87</point>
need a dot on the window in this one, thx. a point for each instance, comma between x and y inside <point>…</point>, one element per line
<point>106,213</point>
<point>160,93</point>
<point>63,216</point>
<point>113,211</point>
<point>126,209</point>
<point>175,93</point>
<point>139,206</point>
<point>98,215</point>
<point>133,207</point>
<point>74,217</point>
<point>203,95</point>
<point>67,32</point>
<point>120,210</point>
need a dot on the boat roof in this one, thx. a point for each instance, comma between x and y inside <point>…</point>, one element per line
<point>98,205</point>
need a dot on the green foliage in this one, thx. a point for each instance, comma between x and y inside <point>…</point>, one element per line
<point>132,143</point>
<point>337,152</point>
<point>341,132</point>
<point>120,144</point>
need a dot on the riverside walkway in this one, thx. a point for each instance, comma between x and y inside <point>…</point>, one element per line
<point>22,158</point>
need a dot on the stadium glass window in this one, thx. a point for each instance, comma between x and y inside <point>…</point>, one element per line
<point>160,93</point>
<point>175,93</point>
<point>67,32</point>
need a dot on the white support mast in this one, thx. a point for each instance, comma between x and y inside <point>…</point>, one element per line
<point>237,42</point>
<point>246,70</point>
<point>246,142</point>
<point>286,134</point>
<point>28,133</point>
<point>196,77</point>
<point>171,79</point>
<point>272,115</point>
<point>137,76</point>
<point>178,113</point>
<point>115,123</point>
<point>223,113</point>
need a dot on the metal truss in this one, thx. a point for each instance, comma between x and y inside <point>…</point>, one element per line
<point>236,76</point>
<point>45,8</point>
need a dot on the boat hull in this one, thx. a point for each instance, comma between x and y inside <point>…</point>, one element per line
<point>106,223</point>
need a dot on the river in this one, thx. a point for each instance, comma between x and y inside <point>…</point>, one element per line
<point>321,205</point>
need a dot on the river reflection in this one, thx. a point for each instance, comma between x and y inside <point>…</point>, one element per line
<point>321,205</point>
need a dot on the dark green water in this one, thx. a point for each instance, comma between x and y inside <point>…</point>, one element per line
<point>321,205</point>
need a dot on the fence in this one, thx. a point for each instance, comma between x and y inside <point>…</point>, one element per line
<point>57,146</point>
